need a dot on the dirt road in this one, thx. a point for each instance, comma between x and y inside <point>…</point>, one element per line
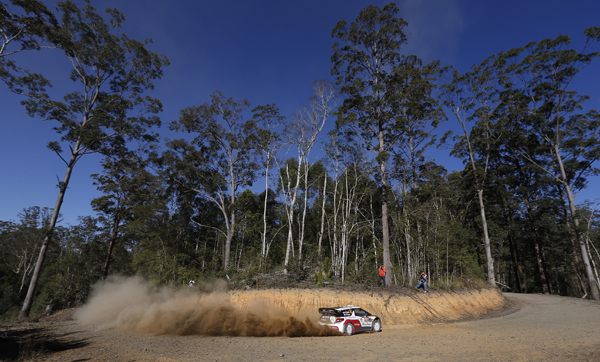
<point>536,328</point>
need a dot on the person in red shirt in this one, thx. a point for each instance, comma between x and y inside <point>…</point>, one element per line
<point>381,276</point>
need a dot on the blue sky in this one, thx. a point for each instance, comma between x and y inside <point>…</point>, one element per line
<point>267,51</point>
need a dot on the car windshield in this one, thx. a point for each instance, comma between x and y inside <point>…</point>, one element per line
<point>360,313</point>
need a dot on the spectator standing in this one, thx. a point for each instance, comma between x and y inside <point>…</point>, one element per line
<point>381,276</point>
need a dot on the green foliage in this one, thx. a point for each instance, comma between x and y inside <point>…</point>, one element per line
<point>19,248</point>
<point>9,297</point>
<point>112,72</point>
<point>193,216</point>
<point>459,283</point>
<point>297,271</point>
<point>319,277</point>
<point>364,61</point>
<point>25,25</point>
<point>221,157</point>
<point>364,271</point>
<point>106,108</point>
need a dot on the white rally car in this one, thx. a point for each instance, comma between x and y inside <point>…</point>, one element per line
<point>349,319</point>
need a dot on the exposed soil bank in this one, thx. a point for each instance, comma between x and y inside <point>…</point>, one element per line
<point>535,328</point>
<point>394,306</point>
<point>131,304</point>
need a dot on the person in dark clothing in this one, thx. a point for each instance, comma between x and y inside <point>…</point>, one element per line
<point>423,281</point>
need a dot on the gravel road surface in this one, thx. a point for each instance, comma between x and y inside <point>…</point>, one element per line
<point>535,328</point>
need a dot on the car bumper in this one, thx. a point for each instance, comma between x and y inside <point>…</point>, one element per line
<point>332,326</point>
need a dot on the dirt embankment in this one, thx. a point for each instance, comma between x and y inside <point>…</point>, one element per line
<point>131,304</point>
<point>437,326</point>
<point>394,306</point>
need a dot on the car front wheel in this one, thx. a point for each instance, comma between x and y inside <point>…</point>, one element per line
<point>377,326</point>
<point>349,329</point>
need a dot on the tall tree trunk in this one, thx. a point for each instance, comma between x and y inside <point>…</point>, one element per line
<point>516,262</point>
<point>539,257</point>
<point>264,233</point>
<point>537,247</point>
<point>290,212</point>
<point>336,210</point>
<point>415,188</point>
<point>323,213</point>
<point>545,266</point>
<point>230,232</point>
<point>584,251</point>
<point>113,239</point>
<point>373,234</point>
<point>420,243</point>
<point>302,226</point>
<point>486,241</point>
<point>540,263</point>
<point>38,266</point>
<point>384,223</point>
<point>346,232</point>
<point>410,272</point>
<point>575,263</point>
<point>486,237</point>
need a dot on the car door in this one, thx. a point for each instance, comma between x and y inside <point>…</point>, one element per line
<point>363,316</point>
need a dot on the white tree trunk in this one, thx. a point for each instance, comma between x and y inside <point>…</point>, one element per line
<point>302,226</point>
<point>38,266</point>
<point>323,213</point>
<point>584,250</point>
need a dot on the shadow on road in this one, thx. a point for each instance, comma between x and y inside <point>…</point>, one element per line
<point>28,343</point>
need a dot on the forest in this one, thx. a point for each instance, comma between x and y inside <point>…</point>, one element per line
<point>237,195</point>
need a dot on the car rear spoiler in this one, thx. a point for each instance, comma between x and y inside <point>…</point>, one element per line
<point>321,310</point>
<point>335,308</point>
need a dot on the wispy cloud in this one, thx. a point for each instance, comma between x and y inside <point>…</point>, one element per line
<point>433,28</point>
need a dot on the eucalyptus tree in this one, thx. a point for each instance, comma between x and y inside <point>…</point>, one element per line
<point>302,133</point>
<point>270,142</point>
<point>74,266</point>
<point>106,109</point>
<point>364,60</point>
<point>221,158</point>
<point>24,25</point>
<point>165,244</point>
<point>321,232</point>
<point>523,194</point>
<point>290,178</point>
<point>413,84</point>
<point>20,242</point>
<point>313,173</point>
<point>540,77</point>
<point>248,215</point>
<point>350,189</point>
<point>473,99</point>
<point>321,177</point>
<point>436,203</point>
<point>126,184</point>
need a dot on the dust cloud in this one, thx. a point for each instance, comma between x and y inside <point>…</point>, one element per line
<point>132,304</point>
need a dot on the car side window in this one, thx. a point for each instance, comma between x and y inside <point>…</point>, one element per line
<point>360,313</point>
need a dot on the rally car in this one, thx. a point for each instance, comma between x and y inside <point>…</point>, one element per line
<point>349,319</point>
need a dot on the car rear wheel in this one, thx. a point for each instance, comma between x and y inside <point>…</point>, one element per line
<point>349,329</point>
<point>377,326</point>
